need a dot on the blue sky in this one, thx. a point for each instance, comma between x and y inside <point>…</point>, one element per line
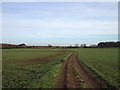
<point>59,23</point>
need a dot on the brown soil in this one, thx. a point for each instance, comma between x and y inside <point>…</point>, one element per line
<point>73,75</point>
<point>43,60</point>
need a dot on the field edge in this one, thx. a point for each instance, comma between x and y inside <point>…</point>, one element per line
<point>103,83</point>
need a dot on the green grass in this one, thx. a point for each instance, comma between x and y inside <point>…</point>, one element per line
<point>15,55</point>
<point>104,61</point>
<point>19,75</point>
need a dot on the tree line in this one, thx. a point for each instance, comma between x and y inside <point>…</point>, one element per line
<point>109,44</point>
<point>99,45</point>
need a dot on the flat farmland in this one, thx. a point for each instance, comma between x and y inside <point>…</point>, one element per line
<point>103,61</point>
<point>15,55</point>
<point>30,68</point>
<point>60,68</point>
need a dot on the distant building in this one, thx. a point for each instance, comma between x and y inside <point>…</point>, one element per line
<point>83,45</point>
<point>93,45</point>
<point>77,45</point>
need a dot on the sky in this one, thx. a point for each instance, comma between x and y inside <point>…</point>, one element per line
<point>59,23</point>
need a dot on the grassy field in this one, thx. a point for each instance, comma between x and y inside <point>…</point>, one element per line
<point>104,61</point>
<point>17,74</point>
<point>21,71</point>
<point>13,55</point>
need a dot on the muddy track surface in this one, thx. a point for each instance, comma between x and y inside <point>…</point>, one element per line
<point>73,75</point>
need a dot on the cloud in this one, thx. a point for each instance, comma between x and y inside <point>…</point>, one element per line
<point>60,0</point>
<point>50,21</point>
<point>74,11</point>
<point>59,28</point>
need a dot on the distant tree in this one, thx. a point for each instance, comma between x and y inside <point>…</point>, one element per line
<point>49,45</point>
<point>109,44</point>
<point>22,44</point>
<point>70,46</point>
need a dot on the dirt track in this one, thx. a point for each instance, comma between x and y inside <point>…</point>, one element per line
<point>73,75</point>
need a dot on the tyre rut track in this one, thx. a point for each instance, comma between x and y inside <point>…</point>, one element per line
<point>73,75</point>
